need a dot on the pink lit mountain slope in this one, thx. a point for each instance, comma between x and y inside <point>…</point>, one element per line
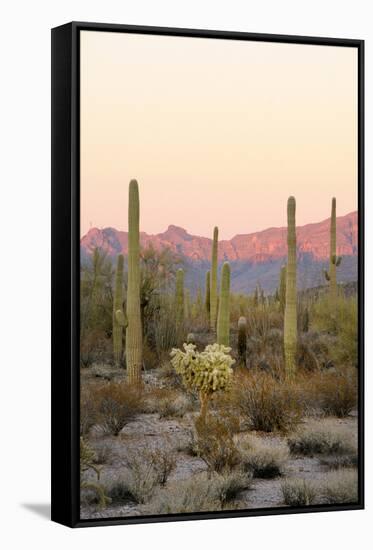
<point>255,257</point>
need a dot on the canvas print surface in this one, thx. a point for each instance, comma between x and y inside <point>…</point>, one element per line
<point>219,275</point>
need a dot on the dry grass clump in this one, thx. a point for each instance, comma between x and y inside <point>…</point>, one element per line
<point>334,392</point>
<point>200,493</point>
<point>88,411</point>
<point>146,469</point>
<point>213,442</point>
<point>266,404</point>
<point>340,487</point>
<point>264,459</point>
<point>322,439</point>
<point>117,404</point>
<point>167,402</point>
<point>298,492</point>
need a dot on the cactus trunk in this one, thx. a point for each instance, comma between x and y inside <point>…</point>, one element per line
<point>282,290</point>
<point>290,321</point>
<point>207,293</point>
<point>242,340</point>
<point>179,297</point>
<point>333,252</point>
<point>118,306</point>
<point>224,306</point>
<point>134,329</point>
<point>214,281</point>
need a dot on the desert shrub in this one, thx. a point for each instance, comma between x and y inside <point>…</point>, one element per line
<point>120,491</point>
<point>87,463</point>
<point>264,459</point>
<point>200,493</point>
<point>337,462</point>
<point>322,439</point>
<point>167,332</point>
<point>335,392</point>
<point>213,442</point>
<point>340,321</point>
<point>168,376</point>
<point>298,492</point>
<point>266,404</point>
<point>175,406</point>
<point>88,411</point>
<point>117,404</point>
<point>104,453</point>
<point>147,469</point>
<point>340,487</point>
<point>103,371</point>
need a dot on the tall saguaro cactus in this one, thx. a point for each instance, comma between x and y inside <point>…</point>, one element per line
<point>214,281</point>
<point>134,329</point>
<point>224,306</point>
<point>290,321</point>
<point>334,260</point>
<point>207,293</point>
<point>242,340</point>
<point>282,289</point>
<point>179,296</point>
<point>118,306</point>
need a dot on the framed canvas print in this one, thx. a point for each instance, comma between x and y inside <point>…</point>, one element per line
<point>207,277</point>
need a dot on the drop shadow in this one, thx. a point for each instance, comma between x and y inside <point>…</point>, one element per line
<point>41,510</point>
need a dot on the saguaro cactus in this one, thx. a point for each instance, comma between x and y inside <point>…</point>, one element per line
<point>242,340</point>
<point>214,280</point>
<point>179,296</point>
<point>290,321</point>
<point>118,306</point>
<point>224,306</point>
<point>334,260</point>
<point>134,329</point>
<point>282,288</point>
<point>207,293</point>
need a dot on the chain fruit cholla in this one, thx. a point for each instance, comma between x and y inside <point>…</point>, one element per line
<point>207,372</point>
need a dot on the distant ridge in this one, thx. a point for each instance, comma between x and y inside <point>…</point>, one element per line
<point>255,257</point>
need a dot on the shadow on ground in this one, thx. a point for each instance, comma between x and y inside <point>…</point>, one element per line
<point>42,510</point>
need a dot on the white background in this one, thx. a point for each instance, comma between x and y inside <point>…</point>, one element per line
<point>25,271</point>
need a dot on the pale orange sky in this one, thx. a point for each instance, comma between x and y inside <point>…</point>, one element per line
<point>217,132</point>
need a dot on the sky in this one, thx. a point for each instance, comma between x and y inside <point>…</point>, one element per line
<point>217,132</point>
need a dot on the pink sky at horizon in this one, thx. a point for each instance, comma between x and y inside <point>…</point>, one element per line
<point>216,132</point>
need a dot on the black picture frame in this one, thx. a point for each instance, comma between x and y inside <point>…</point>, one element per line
<point>65,268</point>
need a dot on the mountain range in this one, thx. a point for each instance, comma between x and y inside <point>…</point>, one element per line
<point>255,258</point>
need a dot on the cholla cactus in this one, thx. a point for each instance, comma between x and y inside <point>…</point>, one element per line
<point>207,372</point>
